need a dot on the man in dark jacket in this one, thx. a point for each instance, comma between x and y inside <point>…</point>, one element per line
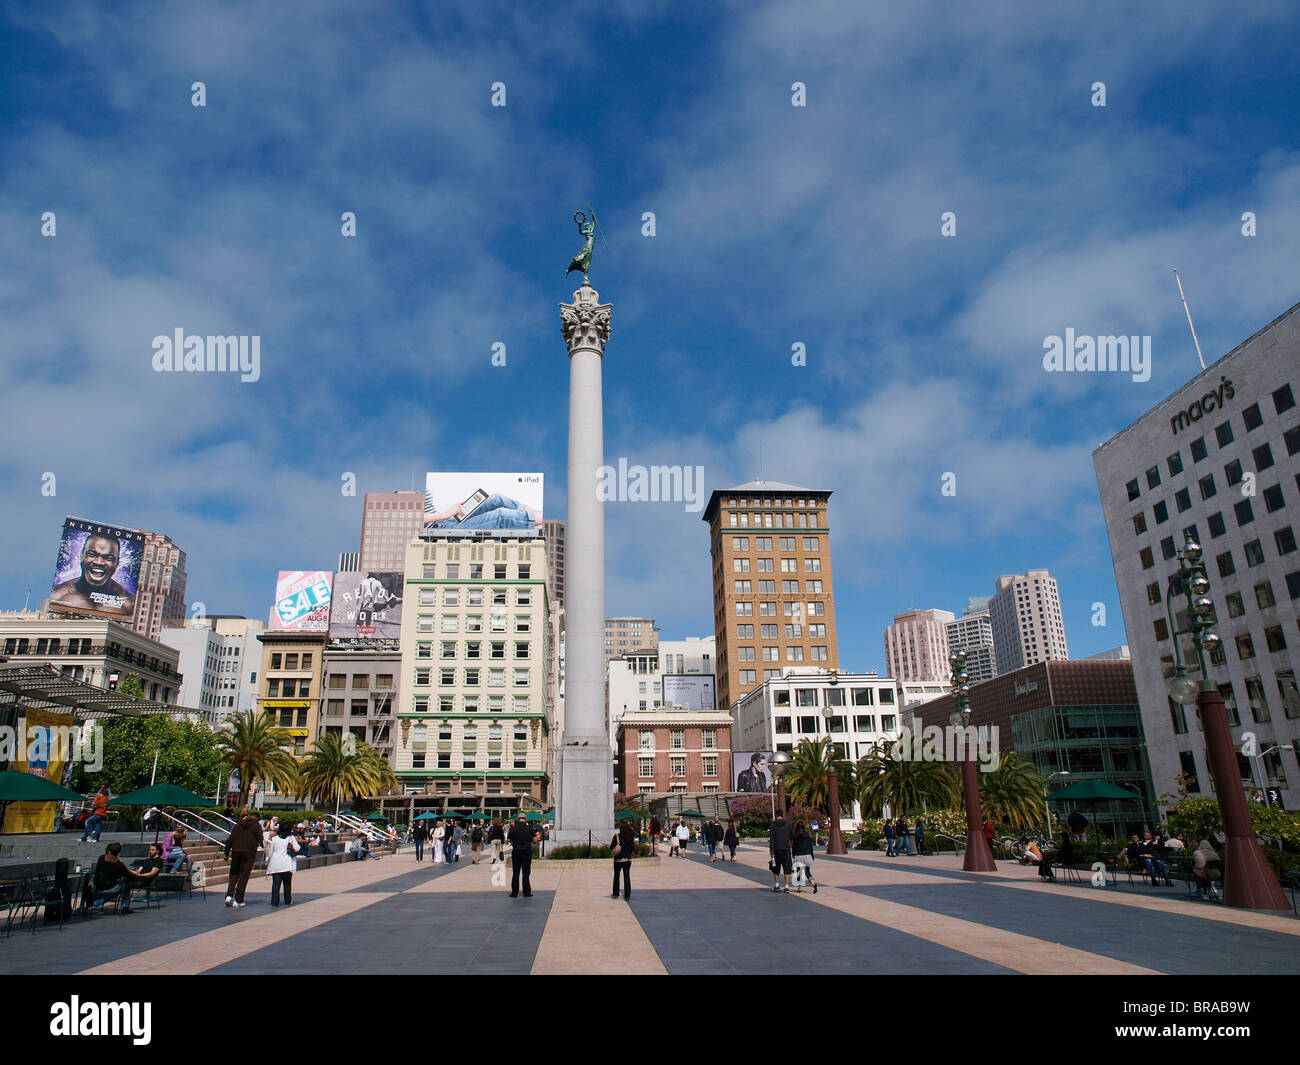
<point>497,839</point>
<point>655,830</point>
<point>522,839</point>
<point>778,845</point>
<point>420,835</point>
<point>242,845</point>
<point>112,879</point>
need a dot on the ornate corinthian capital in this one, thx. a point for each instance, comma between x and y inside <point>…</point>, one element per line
<point>584,323</point>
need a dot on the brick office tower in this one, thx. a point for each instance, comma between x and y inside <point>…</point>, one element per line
<point>773,595</point>
<point>389,522</point>
<point>160,595</point>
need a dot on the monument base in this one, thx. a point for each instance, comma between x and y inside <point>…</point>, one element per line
<point>584,801</point>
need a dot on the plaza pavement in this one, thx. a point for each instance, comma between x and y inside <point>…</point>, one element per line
<point>872,915</point>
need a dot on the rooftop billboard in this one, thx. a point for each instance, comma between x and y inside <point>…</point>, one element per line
<point>302,601</point>
<point>509,503</point>
<point>98,570</point>
<point>366,606</point>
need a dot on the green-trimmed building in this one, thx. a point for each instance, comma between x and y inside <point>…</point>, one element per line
<point>479,674</point>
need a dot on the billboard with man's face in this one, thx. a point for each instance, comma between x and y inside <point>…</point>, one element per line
<point>753,770</point>
<point>509,503</point>
<point>366,606</point>
<point>302,601</point>
<point>98,570</point>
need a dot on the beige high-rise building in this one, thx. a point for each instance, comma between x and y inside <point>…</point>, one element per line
<point>916,646</point>
<point>1027,624</point>
<point>160,595</point>
<point>554,533</point>
<point>389,522</point>
<point>624,636</point>
<point>773,595</point>
<point>474,709</point>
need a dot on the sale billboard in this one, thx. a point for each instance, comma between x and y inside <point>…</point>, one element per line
<point>302,601</point>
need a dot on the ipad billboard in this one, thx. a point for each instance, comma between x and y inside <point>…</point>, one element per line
<point>98,570</point>
<point>302,601</point>
<point>509,503</point>
<point>366,606</point>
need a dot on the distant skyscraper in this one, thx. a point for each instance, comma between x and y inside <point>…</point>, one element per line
<point>773,594</point>
<point>916,646</point>
<point>390,521</point>
<point>973,633</point>
<point>554,533</point>
<point>160,596</point>
<point>1027,624</point>
<point>625,635</point>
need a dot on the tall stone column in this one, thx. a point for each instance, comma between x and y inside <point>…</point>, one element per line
<point>585,788</point>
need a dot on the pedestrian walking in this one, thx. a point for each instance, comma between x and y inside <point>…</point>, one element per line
<point>709,841</point>
<point>902,842</point>
<point>280,864</point>
<point>497,838</point>
<point>439,842</point>
<point>476,844</point>
<point>989,833</point>
<point>801,847</point>
<point>419,836</point>
<point>683,835</point>
<point>522,838</point>
<point>242,845</point>
<point>731,839</point>
<point>623,846</point>
<point>98,814</point>
<point>920,837</point>
<point>778,846</point>
<point>655,830</point>
<point>889,838</point>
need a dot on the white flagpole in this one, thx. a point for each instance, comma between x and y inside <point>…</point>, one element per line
<point>1189,319</point>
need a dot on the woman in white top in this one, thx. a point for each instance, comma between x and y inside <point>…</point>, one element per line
<point>439,835</point>
<point>280,864</point>
<point>683,836</point>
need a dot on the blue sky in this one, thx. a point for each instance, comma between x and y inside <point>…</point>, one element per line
<point>775,225</point>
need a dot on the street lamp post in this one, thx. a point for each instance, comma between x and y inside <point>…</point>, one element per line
<point>1248,880</point>
<point>979,856</point>
<point>779,764</point>
<point>1257,766</point>
<point>835,844</point>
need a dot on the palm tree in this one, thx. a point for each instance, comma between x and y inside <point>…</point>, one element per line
<point>338,769</point>
<point>253,746</point>
<point>885,778</point>
<point>1012,794</point>
<point>807,781</point>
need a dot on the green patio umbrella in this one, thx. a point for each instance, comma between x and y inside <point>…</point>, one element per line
<point>376,816</point>
<point>480,817</point>
<point>16,786</point>
<point>161,795</point>
<point>1092,792</point>
<point>534,815</point>
<point>428,815</point>
<point>690,813</point>
<point>627,815</point>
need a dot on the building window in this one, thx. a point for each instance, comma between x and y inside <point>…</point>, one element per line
<point>1263,456</point>
<point>710,765</point>
<point>1175,462</point>
<point>1133,490</point>
<point>645,767</point>
<point>1148,559</point>
<point>1283,400</point>
<point>1177,716</point>
<point>1254,553</point>
<point>1183,500</point>
<point>1153,477</point>
<point>1252,417</point>
<point>1187,762</point>
<point>1215,522</point>
<point>1161,512</point>
<point>1255,697</point>
<point>1223,434</point>
<point>1206,484</point>
<point>1140,522</point>
<point>1285,540</point>
<point>677,765</point>
<point>1274,638</point>
<point>1235,606</point>
<point>1226,565</point>
<point>677,739</point>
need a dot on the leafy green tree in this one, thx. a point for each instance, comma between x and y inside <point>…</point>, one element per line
<point>807,780</point>
<point>1012,794</point>
<point>131,685</point>
<point>343,767</point>
<point>906,785</point>
<point>187,755</point>
<point>255,748</point>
